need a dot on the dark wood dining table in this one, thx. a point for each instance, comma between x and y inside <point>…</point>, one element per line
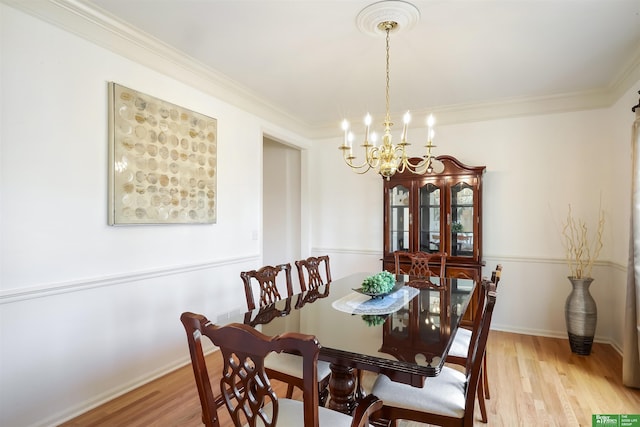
<point>405,335</point>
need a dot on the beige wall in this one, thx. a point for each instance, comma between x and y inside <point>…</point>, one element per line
<point>536,166</point>
<point>88,311</point>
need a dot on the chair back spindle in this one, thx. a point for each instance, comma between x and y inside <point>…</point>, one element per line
<point>266,278</point>
<point>245,388</point>
<point>421,264</point>
<point>310,272</point>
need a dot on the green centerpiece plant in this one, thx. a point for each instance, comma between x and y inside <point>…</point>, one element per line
<point>374,319</point>
<point>379,283</point>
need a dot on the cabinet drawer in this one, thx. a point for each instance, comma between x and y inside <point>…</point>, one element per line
<point>463,272</point>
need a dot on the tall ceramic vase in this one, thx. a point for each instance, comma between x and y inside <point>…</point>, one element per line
<point>581,316</point>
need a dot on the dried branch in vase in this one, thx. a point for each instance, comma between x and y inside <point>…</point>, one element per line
<point>581,251</point>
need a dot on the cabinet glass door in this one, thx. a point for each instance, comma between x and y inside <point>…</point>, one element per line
<point>399,218</point>
<point>462,224</point>
<point>429,234</point>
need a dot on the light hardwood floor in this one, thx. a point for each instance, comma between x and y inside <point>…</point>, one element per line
<point>535,381</point>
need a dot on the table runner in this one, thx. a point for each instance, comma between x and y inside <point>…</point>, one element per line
<point>356,303</point>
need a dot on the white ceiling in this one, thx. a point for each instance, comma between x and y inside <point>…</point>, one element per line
<point>308,57</point>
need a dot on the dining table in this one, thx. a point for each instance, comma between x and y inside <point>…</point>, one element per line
<point>404,334</point>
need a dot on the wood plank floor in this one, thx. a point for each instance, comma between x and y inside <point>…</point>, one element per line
<point>535,381</point>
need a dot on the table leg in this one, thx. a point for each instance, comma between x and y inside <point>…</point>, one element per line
<point>342,386</point>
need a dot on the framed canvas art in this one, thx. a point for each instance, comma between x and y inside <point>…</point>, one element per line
<point>162,161</point>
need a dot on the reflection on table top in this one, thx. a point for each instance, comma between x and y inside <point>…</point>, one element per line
<point>405,335</point>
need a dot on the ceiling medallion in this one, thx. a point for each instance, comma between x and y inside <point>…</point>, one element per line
<point>404,14</point>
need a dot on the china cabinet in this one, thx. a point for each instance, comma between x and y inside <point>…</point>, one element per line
<point>437,212</point>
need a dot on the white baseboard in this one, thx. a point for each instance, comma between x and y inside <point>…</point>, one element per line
<point>551,334</point>
<point>114,393</point>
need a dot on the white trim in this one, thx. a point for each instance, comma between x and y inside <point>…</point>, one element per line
<point>551,334</point>
<point>116,392</point>
<point>486,259</point>
<point>111,394</point>
<point>366,252</point>
<point>49,289</point>
<point>97,26</point>
<point>531,260</point>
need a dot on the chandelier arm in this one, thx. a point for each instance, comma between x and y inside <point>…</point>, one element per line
<point>349,161</point>
<point>421,167</point>
<point>361,172</point>
<point>357,168</point>
<point>372,159</point>
<point>425,159</point>
<point>373,156</point>
<point>402,167</point>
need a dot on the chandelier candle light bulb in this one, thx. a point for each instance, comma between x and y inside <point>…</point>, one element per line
<point>430,122</point>
<point>345,128</point>
<point>367,123</point>
<point>405,119</point>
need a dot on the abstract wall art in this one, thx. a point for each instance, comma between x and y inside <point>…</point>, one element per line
<point>162,161</point>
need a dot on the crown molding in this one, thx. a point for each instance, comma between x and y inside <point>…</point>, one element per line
<point>91,23</point>
<point>625,79</point>
<point>99,27</point>
<point>507,108</point>
<point>517,107</point>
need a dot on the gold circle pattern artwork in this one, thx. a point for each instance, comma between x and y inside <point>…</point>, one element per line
<point>164,161</point>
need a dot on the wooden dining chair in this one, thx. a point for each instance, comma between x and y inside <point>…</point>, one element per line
<point>495,278</point>
<point>266,278</point>
<point>423,264</point>
<point>284,367</point>
<point>447,399</point>
<point>245,389</point>
<point>496,274</point>
<point>312,277</point>
<point>311,273</point>
<point>401,262</point>
<point>314,280</point>
<point>459,352</point>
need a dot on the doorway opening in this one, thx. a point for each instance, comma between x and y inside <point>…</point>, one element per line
<point>281,202</point>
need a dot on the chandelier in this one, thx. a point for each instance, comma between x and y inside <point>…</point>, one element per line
<point>388,158</point>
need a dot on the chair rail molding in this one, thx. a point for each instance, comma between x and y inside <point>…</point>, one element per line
<point>45,290</point>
